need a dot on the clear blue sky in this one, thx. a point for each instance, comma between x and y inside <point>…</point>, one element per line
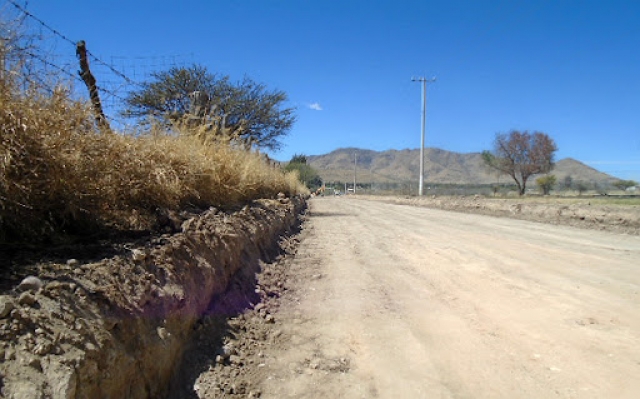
<point>568,68</point>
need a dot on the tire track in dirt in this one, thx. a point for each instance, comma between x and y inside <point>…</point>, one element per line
<point>397,301</point>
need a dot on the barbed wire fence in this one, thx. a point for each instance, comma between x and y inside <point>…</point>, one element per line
<point>43,58</point>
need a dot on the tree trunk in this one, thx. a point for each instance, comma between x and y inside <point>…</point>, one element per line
<point>521,187</point>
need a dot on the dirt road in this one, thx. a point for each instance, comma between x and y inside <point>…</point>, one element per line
<point>395,301</point>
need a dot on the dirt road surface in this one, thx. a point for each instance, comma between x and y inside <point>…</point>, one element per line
<point>393,301</point>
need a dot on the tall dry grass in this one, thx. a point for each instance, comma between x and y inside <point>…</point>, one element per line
<point>60,175</point>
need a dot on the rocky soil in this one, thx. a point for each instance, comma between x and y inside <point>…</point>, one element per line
<point>120,326</point>
<point>226,356</point>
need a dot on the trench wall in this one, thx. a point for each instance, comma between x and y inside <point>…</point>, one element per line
<point>118,328</point>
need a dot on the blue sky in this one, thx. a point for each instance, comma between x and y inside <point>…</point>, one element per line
<point>568,68</point>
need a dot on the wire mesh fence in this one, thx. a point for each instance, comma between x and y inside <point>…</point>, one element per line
<point>39,56</point>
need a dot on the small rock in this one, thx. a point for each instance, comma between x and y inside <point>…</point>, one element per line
<point>72,262</point>
<point>269,319</point>
<point>29,340</point>
<point>54,285</point>
<point>34,362</point>
<point>43,348</point>
<point>30,283</point>
<point>10,354</point>
<point>6,306</point>
<point>235,359</point>
<point>27,298</point>
<point>163,333</point>
<point>138,255</point>
<point>229,350</point>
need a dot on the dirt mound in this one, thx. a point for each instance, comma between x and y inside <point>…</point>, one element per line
<point>583,213</point>
<point>120,326</point>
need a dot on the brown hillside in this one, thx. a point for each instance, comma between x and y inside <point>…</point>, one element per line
<point>441,166</point>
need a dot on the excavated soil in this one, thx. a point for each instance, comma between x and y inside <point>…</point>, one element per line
<point>119,327</point>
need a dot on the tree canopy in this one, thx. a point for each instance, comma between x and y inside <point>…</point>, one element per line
<point>546,183</point>
<point>255,115</point>
<point>624,184</point>
<point>306,174</point>
<point>521,155</point>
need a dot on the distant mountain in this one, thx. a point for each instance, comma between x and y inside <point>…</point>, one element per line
<point>441,167</point>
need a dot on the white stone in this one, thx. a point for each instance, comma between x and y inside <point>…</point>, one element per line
<point>30,283</point>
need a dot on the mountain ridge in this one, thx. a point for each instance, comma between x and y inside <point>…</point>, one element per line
<point>440,166</point>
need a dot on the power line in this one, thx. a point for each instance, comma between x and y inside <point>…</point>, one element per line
<point>114,85</point>
<point>64,71</point>
<point>48,63</point>
<point>27,13</point>
<point>73,43</point>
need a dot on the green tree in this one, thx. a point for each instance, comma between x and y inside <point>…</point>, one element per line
<point>521,155</point>
<point>624,184</point>
<point>546,183</point>
<point>253,114</point>
<point>298,158</point>
<point>307,175</point>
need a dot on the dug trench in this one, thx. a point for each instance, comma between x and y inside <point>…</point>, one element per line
<point>145,322</point>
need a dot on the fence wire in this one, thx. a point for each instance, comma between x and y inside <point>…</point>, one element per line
<point>40,56</point>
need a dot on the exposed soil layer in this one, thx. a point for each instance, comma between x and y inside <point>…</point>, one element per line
<point>119,327</point>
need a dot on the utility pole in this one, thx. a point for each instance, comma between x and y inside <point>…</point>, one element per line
<point>424,117</point>
<point>3,54</point>
<point>355,166</point>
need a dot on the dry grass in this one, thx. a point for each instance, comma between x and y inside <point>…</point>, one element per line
<point>59,175</point>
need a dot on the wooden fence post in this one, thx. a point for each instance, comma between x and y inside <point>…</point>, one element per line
<point>90,82</point>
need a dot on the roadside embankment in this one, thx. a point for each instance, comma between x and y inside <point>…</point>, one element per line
<point>119,327</point>
<point>609,214</point>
